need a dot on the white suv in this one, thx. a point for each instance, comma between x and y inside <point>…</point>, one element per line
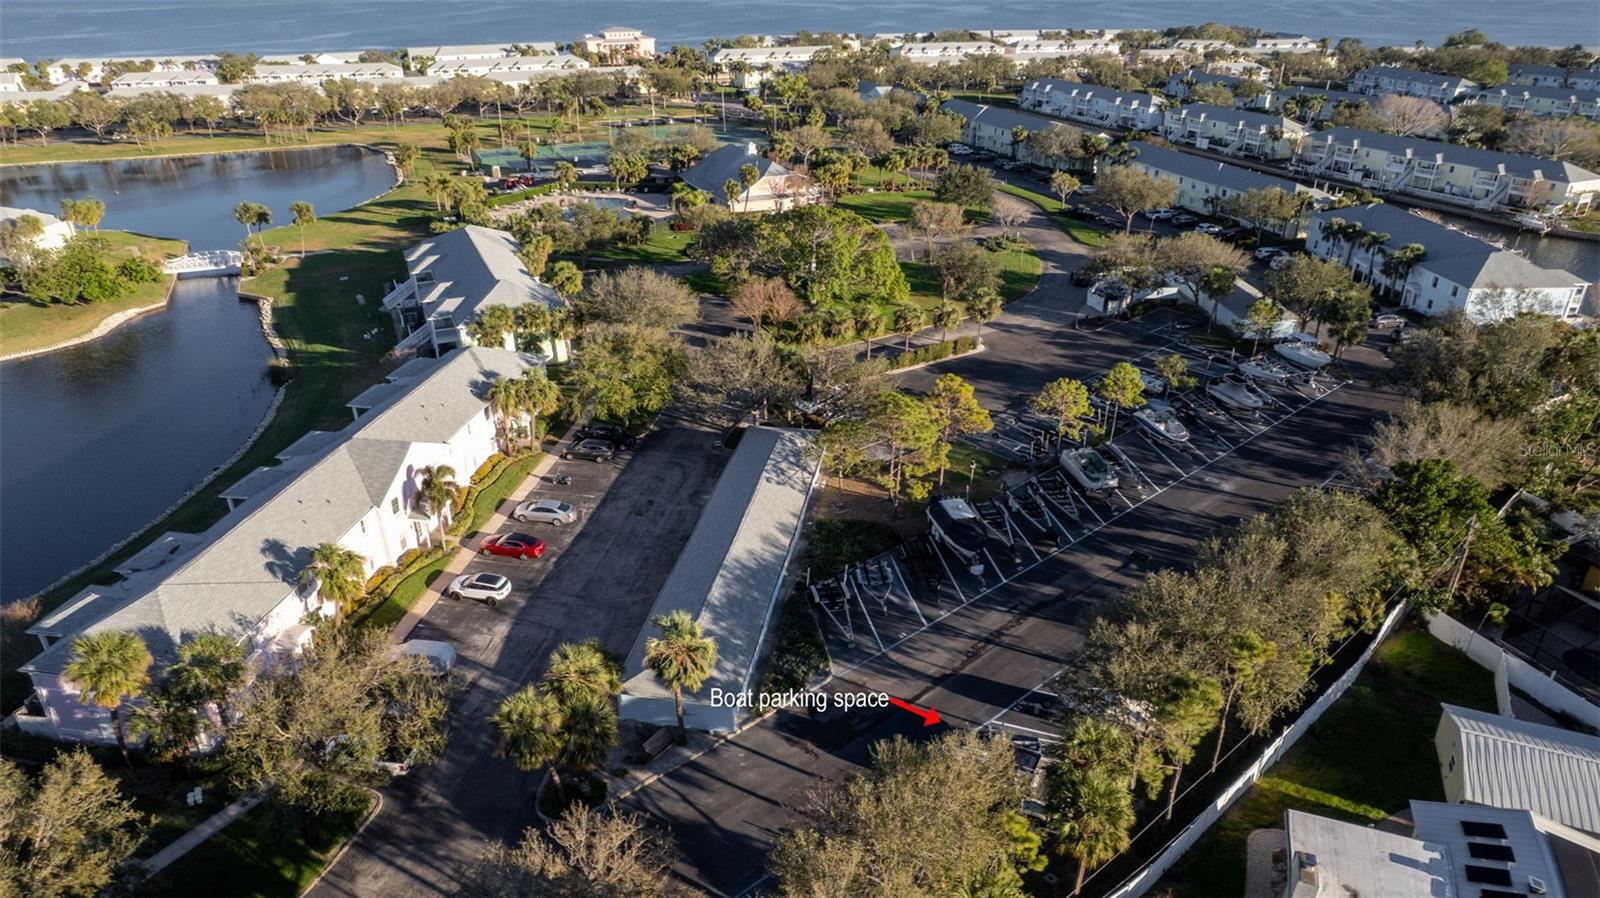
<point>488,588</point>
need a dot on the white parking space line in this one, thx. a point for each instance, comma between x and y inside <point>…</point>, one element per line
<point>910,597</point>
<point>868,615</point>
<point>1045,735</point>
<point>939,553</point>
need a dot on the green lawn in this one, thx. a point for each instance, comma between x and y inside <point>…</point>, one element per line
<point>385,615</point>
<point>1019,273</point>
<point>1080,230</point>
<point>266,853</point>
<point>888,206</point>
<point>26,324</point>
<point>492,494</point>
<point>1368,756</point>
<point>664,246</point>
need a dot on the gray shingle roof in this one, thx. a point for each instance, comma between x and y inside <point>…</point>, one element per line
<point>1228,114</point>
<point>250,565</point>
<point>1543,92</point>
<point>1456,256</point>
<point>1525,166</point>
<point>474,268</point>
<point>1208,171</point>
<point>1449,82</point>
<point>722,165</point>
<point>1510,763</point>
<point>729,573</point>
<point>1055,85</point>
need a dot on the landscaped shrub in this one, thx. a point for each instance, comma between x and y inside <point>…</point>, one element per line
<point>378,576</point>
<point>933,352</point>
<point>407,557</point>
<point>489,466</point>
<point>139,270</point>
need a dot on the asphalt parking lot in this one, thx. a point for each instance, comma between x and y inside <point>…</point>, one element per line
<point>598,579</point>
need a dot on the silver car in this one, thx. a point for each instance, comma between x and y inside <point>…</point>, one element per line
<point>490,588</point>
<point>546,511</point>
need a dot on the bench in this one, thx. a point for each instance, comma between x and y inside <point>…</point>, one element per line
<point>658,742</point>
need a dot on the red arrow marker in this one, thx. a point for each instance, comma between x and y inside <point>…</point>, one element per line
<point>929,717</point>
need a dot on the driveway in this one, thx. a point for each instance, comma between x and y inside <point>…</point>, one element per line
<point>598,579</point>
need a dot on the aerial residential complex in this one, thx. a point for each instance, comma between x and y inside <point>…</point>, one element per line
<point>1206,185</point>
<point>356,488</point>
<point>1092,104</point>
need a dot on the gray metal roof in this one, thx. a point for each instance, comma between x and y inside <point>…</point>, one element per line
<point>729,573</point>
<point>1450,82</point>
<point>1489,160</point>
<point>250,565</point>
<point>1451,254</point>
<point>1510,763</point>
<point>1439,823</point>
<point>1543,92</point>
<point>1207,171</point>
<point>722,165</point>
<point>1362,861</point>
<point>1002,117</point>
<point>1231,115</point>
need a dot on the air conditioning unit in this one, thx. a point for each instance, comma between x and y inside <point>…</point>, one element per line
<point>1537,886</point>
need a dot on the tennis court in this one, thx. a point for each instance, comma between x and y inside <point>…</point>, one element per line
<point>597,150</point>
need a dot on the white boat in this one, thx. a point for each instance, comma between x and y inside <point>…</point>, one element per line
<point>1236,393</point>
<point>1153,384</point>
<point>1089,469</point>
<point>1158,418</point>
<point>1265,369</point>
<point>1304,355</point>
<point>957,525</point>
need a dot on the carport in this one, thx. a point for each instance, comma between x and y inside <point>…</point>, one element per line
<point>729,574</point>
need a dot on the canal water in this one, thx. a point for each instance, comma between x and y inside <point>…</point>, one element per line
<point>99,439</point>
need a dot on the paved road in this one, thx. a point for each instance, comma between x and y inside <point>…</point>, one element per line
<point>726,808</point>
<point>636,518</point>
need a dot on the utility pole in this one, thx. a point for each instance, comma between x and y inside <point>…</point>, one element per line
<point>1461,563</point>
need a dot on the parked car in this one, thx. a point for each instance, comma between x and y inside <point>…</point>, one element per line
<point>1160,214</point>
<point>1183,219</point>
<point>488,588</point>
<point>1086,190</point>
<point>1234,234</point>
<point>1207,227</point>
<point>513,545</point>
<point>611,433</point>
<point>1388,320</point>
<point>1083,277</point>
<point>959,149</point>
<point>1281,261</point>
<point>546,511</point>
<point>1268,253</point>
<point>590,450</point>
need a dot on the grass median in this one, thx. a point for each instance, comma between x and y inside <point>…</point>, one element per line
<point>1078,229</point>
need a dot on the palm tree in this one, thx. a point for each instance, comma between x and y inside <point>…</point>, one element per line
<point>681,657</point>
<point>304,213</point>
<point>108,668</point>
<point>210,668</point>
<point>580,669</point>
<point>749,174</point>
<point>908,319</point>
<point>435,493</point>
<point>1094,828</point>
<point>531,726</point>
<point>505,399</point>
<point>1019,136</point>
<point>1373,242</point>
<point>540,396</point>
<point>1397,265</point>
<point>252,215</point>
<point>867,322</point>
<point>731,188</point>
<point>335,573</point>
<point>945,317</point>
<point>589,732</point>
<point>984,305</point>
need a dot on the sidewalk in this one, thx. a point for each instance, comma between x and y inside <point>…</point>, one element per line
<point>463,556</point>
<point>189,840</point>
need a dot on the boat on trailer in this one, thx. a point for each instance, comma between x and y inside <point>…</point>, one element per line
<point>1158,418</point>
<point>1089,469</point>
<point>1264,369</point>
<point>958,525</point>
<point>1303,354</point>
<point>1236,393</point>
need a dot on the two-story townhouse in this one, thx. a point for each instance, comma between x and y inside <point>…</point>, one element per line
<point>355,489</point>
<point>994,128</point>
<point>1180,84</point>
<point>472,52</point>
<point>1233,132</point>
<point>618,41</point>
<point>1092,104</point>
<point>935,52</point>
<point>1536,75</point>
<point>751,66</point>
<point>555,62</point>
<point>1456,270</point>
<point>1206,185</point>
<point>1464,176</point>
<point>159,80</point>
<point>1380,80</point>
<point>1548,102</point>
<point>1585,79</point>
<point>1283,43</point>
<point>452,278</point>
<point>316,74</point>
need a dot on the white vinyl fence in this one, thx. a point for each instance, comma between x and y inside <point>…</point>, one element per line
<point>1139,883</point>
<point>1510,669</point>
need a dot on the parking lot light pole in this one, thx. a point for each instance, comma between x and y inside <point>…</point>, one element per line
<point>972,471</point>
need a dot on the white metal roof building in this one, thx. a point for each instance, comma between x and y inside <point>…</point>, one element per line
<point>1489,759</point>
<point>1329,858</point>
<point>729,574</point>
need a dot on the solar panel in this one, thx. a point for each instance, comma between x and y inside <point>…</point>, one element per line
<point>1494,876</point>
<point>1482,830</point>
<point>1485,851</point>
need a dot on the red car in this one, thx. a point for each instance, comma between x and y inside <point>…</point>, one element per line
<point>513,545</point>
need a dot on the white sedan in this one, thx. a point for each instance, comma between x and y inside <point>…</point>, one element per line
<point>1208,228</point>
<point>489,588</point>
<point>546,511</point>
